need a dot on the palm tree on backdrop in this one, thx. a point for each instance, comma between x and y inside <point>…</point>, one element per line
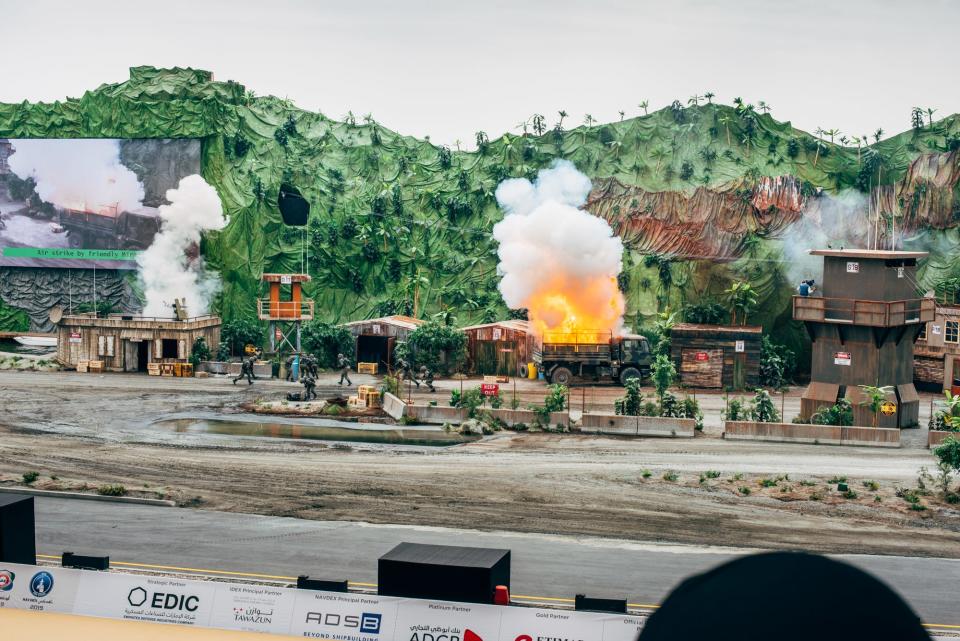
<point>738,103</point>
<point>709,96</point>
<point>658,153</point>
<point>622,114</point>
<point>763,106</point>
<point>456,143</point>
<point>858,141</point>
<point>694,100</point>
<point>523,124</point>
<point>831,133</point>
<point>643,105</point>
<point>368,119</point>
<point>877,135</point>
<point>539,124</point>
<point>742,299</point>
<point>916,118</point>
<point>930,112</point>
<point>588,120</point>
<point>563,114</point>
<point>482,140</point>
<point>844,140</point>
<point>725,121</point>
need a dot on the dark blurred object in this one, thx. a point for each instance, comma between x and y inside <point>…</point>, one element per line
<point>444,572</point>
<point>294,208</point>
<point>304,582</point>
<point>17,530</point>
<point>787,596</point>
<point>71,560</point>
<point>588,604</point>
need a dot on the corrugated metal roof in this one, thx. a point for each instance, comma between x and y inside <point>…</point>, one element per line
<point>514,324</point>
<point>405,322</point>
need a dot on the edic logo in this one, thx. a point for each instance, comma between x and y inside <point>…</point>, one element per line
<point>41,584</point>
<point>6,580</point>
<point>368,622</point>
<point>138,596</point>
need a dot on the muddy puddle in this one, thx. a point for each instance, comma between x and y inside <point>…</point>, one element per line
<point>269,429</point>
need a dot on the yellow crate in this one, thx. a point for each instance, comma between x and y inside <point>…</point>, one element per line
<point>373,399</point>
<point>96,367</point>
<point>83,366</point>
<point>367,368</point>
<point>153,369</point>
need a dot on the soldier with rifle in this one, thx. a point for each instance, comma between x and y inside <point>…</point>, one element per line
<point>246,370</point>
<point>309,385</point>
<point>344,364</point>
<point>427,377</point>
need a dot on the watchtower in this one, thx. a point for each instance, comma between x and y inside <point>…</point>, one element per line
<point>283,313</point>
<point>863,327</point>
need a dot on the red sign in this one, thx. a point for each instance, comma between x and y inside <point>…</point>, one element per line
<point>703,357</point>
<point>278,334</point>
<point>489,389</point>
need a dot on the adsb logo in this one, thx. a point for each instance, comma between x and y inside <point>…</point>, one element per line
<point>41,584</point>
<point>6,580</point>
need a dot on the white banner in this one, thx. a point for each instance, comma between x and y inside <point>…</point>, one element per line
<point>303,613</point>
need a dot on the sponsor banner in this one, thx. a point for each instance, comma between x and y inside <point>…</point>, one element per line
<point>145,598</point>
<point>344,616</point>
<point>27,587</point>
<point>308,614</point>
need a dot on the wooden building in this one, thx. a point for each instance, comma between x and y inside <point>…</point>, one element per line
<point>378,337</point>
<point>131,343</point>
<point>862,331</point>
<point>499,348</point>
<point>717,356</point>
<point>936,354</point>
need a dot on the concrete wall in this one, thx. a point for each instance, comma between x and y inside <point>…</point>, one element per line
<point>527,417</point>
<point>393,406</point>
<point>937,437</point>
<point>441,414</point>
<point>816,434</point>
<point>638,425</point>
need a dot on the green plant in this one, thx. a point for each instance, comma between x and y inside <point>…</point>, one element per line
<point>670,476</point>
<point>850,494</point>
<point>738,476</point>
<point>455,398</point>
<point>873,486</point>
<point>239,332</point>
<point>514,403</point>
<point>325,341</point>
<point>874,398</point>
<point>736,410</point>
<point>646,474</point>
<point>712,474</point>
<point>332,410</point>
<point>706,313</point>
<point>496,401</point>
<point>199,352</point>
<point>662,373</point>
<point>632,402</point>
<point>30,477</point>
<point>742,299</point>
<point>391,385</point>
<point>556,400</point>
<point>836,480</point>
<point>767,483</point>
<point>111,490</point>
<point>840,413</point>
<point>777,364</point>
<point>690,408</point>
<point>438,346</point>
<point>762,408</point>
<point>745,490</point>
<point>471,400</point>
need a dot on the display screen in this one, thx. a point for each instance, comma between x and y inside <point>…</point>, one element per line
<point>86,202</point>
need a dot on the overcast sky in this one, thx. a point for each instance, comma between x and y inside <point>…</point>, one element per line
<point>447,68</point>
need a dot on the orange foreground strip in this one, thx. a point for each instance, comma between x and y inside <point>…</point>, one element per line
<point>24,624</point>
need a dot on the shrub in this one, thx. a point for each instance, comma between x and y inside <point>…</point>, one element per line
<point>777,364</point>
<point>632,402</point>
<point>438,346</point>
<point>556,400</point>
<point>496,402</point>
<point>712,474</point>
<point>391,385</point>
<point>199,352</point>
<point>840,413</point>
<point>646,474</point>
<point>662,372</point>
<point>111,490</point>
<point>670,476</point>
<point>334,410</point>
<point>471,400</point>
<point>709,313</point>
<point>690,408</point>
<point>30,477</point>
<point>837,479</point>
<point>745,490</point>
<point>850,494</point>
<point>325,341</point>
<point>455,398</point>
<point>762,408</point>
<point>873,486</point>
<point>670,407</point>
<point>237,333</point>
<point>767,483</point>
<point>736,410</point>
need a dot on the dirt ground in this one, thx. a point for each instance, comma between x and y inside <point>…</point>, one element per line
<point>83,431</point>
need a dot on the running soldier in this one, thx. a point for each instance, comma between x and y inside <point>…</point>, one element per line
<point>344,364</point>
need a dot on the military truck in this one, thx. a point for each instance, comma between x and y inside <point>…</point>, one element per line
<point>593,355</point>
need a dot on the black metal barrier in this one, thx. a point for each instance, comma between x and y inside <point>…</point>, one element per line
<point>81,562</point>
<point>304,582</point>
<point>17,530</point>
<point>585,603</point>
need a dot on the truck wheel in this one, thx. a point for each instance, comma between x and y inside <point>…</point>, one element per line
<point>627,374</point>
<point>523,371</point>
<point>561,376</point>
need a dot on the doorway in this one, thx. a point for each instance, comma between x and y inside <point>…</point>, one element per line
<point>373,349</point>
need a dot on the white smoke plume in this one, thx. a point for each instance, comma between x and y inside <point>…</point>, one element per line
<point>165,269</point>
<point>836,221</point>
<point>81,174</point>
<point>557,260</point>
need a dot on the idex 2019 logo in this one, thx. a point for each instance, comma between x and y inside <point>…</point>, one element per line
<point>41,584</point>
<point>6,580</point>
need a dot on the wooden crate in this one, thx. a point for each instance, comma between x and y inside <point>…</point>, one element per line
<point>96,367</point>
<point>178,369</point>
<point>153,369</point>
<point>373,399</point>
<point>166,369</point>
<point>364,390</point>
<point>186,370</point>
<point>83,366</point>
<point>367,368</point>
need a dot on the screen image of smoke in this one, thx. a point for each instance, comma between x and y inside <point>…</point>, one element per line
<point>86,203</point>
